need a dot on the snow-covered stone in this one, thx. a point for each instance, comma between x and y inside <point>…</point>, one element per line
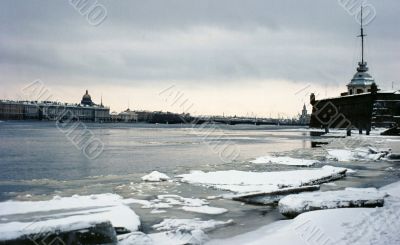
<point>251,182</point>
<point>64,214</point>
<point>284,161</point>
<point>155,176</point>
<point>295,204</point>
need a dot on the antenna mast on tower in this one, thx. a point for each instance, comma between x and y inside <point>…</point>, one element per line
<point>362,37</point>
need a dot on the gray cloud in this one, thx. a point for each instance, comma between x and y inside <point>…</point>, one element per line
<point>185,40</point>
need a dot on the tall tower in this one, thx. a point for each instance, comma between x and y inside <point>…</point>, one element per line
<point>304,111</point>
<point>362,80</point>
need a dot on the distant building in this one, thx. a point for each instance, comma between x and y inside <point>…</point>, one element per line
<point>49,110</point>
<point>128,116</point>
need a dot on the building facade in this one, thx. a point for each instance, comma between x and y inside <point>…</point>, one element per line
<point>54,111</point>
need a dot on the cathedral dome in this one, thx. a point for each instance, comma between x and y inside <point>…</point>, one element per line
<point>87,99</point>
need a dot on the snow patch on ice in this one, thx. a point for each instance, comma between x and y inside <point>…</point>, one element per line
<point>169,201</point>
<point>284,161</point>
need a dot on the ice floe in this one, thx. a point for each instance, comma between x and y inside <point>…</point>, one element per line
<point>284,161</point>
<point>295,204</point>
<point>169,201</point>
<point>155,176</point>
<point>252,182</point>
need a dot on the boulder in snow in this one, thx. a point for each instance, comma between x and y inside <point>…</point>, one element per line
<point>94,219</point>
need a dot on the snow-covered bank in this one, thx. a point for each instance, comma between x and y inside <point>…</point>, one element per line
<point>63,214</point>
<point>293,205</point>
<point>332,227</point>
<point>284,161</point>
<point>252,182</point>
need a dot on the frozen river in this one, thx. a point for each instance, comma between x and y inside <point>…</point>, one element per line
<point>38,161</point>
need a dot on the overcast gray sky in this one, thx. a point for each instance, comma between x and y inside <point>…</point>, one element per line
<point>226,56</point>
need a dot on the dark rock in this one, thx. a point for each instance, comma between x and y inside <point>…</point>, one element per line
<point>102,233</point>
<point>393,157</point>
